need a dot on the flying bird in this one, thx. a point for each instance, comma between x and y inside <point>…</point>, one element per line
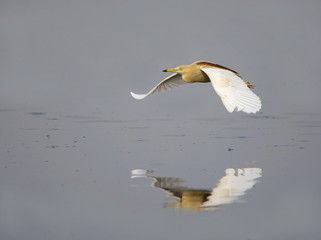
<point>235,93</point>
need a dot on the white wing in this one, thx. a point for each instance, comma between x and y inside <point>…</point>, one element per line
<point>235,94</point>
<point>173,81</point>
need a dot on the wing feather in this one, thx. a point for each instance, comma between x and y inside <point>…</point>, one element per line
<point>235,94</point>
<point>173,81</point>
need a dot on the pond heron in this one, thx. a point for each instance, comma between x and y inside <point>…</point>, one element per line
<point>235,93</point>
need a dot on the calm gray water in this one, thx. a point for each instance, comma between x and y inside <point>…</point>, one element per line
<point>81,159</point>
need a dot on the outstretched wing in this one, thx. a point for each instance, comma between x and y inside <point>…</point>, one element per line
<point>235,94</point>
<point>173,81</point>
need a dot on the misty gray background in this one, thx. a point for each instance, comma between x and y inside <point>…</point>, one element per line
<point>70,133</point>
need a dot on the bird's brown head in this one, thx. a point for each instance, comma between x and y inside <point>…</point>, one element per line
<point>190,73</point>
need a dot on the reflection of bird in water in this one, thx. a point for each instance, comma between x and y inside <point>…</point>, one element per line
<point>188,198</point>
<point>228,84</point>
<point>229,189</point>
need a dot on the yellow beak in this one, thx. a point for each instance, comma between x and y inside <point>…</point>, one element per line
<point>170,70</point>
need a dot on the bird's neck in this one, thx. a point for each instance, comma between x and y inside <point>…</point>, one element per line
<point>196,75</point>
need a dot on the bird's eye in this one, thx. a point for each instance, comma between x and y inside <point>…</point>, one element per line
<point>179,69</point>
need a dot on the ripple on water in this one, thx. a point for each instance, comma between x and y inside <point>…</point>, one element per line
<point>37,113</point>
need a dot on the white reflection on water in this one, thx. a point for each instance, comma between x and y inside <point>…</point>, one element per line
<point>230,188</point>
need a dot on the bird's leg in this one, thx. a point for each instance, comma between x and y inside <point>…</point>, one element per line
<point>249,85</point>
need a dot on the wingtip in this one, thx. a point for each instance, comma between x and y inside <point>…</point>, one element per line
<point>133,95</point>
<point>137,96</point>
